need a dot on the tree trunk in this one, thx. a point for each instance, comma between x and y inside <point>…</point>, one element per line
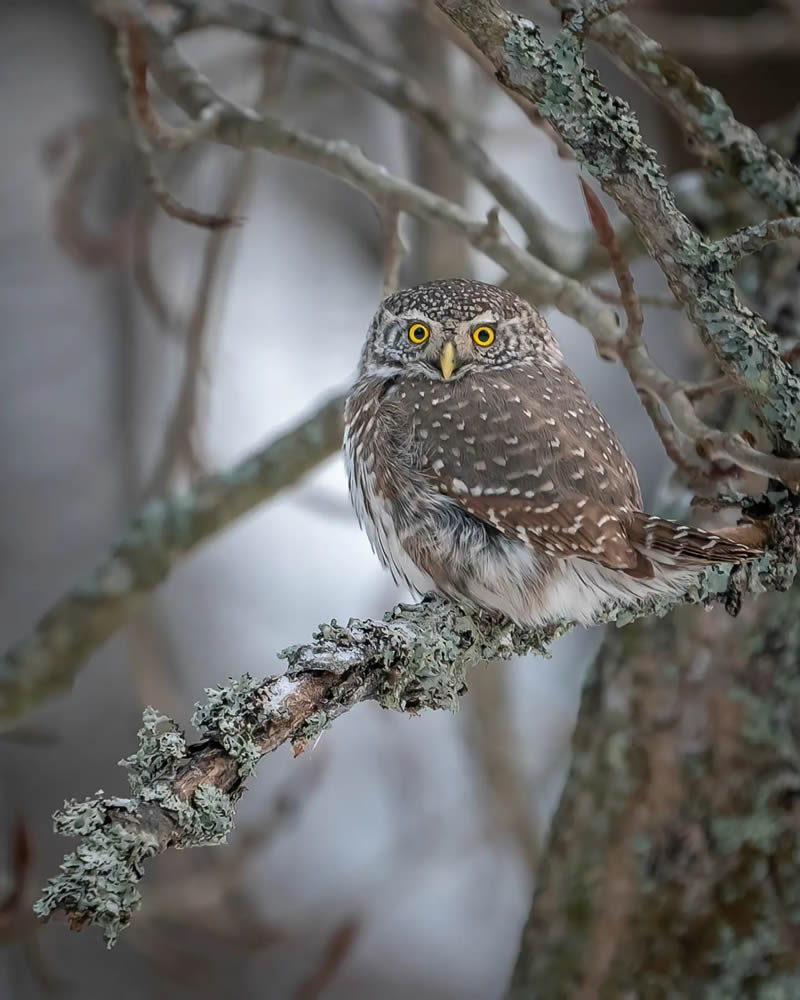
<point>673,869</point>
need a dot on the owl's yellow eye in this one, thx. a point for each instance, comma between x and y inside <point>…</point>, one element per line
<point>418,333</point>
<point>483,336</point>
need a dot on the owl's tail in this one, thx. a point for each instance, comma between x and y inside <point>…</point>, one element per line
<point>665,545</point>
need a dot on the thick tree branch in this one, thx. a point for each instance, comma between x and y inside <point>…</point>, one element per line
<point>605,136</point>
<point>46,661</point>
<point>183,795</point>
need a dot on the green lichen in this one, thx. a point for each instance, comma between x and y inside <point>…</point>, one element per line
<point>231,714</point>
<point>604,134</point>
<point>312,728</point>
<point>98,880</point>
<point>209,818</point>
<point>161,746</point>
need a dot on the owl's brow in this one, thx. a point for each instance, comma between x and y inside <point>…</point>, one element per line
<point>487,316</point>
<point>388,318</point>
<point>514,321</point>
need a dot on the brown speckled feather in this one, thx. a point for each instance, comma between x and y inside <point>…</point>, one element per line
<point>492,444</point>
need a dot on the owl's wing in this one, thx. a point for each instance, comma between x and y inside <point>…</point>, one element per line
<point>561,528</point>
<point>527,453</point>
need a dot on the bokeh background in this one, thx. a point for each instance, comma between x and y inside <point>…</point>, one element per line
<point>388,840</point>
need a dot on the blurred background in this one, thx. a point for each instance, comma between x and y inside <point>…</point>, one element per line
<point>137,352</point>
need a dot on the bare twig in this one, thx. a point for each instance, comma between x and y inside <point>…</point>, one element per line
<point>394,250</point>
<point>614,298</point>
<point>158,132</point>
<point>649,382</point>
<point>85,148</point>
<point>131,52</point>
<point>337,948</point>
<point>46,661</point>
<point>144,274</point>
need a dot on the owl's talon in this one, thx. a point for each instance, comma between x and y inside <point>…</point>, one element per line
<point>410,607</point>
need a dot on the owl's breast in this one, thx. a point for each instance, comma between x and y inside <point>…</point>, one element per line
<point>433,418</point>
<point>389,495</point>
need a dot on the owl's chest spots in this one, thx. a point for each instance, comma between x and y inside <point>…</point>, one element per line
<point>438,417</point>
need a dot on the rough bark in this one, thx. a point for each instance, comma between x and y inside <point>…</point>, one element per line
<point>672,867</point>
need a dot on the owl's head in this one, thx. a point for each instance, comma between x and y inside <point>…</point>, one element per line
<point>448,329</point>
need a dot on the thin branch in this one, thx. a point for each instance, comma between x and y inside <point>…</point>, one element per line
<point>762,35</point>
<point>144,274</point>
<point>337,948</point>
<point>131,53</point>
<point>648,380</point>
<point>608,238</point>
<point>545,238</point>
<point>754,238</point>
<point>418,657</point>
<point>45,662</point>
<point>394,250</point>
<point>85,147</point>
<point>615,299</point>
<point>158,132</point>
<point>180,448</point>
<point>591,11</point>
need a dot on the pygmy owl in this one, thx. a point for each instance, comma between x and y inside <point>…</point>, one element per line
<point>481,470</point>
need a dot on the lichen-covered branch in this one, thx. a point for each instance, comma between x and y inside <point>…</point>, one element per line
<point>684,435</point>
<point>184,794</point>
<point>45,662</point>
<point>702,112</point>
<point>604,134</point>
<point>418,657</point>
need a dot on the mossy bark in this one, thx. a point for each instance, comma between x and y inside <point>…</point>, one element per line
<point>673,868</point>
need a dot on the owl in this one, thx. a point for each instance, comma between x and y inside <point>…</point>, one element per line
<point>480,469</point>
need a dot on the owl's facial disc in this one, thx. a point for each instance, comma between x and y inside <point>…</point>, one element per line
<point>468,343</point>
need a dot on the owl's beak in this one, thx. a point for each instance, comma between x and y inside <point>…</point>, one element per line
<point>447,359</point>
